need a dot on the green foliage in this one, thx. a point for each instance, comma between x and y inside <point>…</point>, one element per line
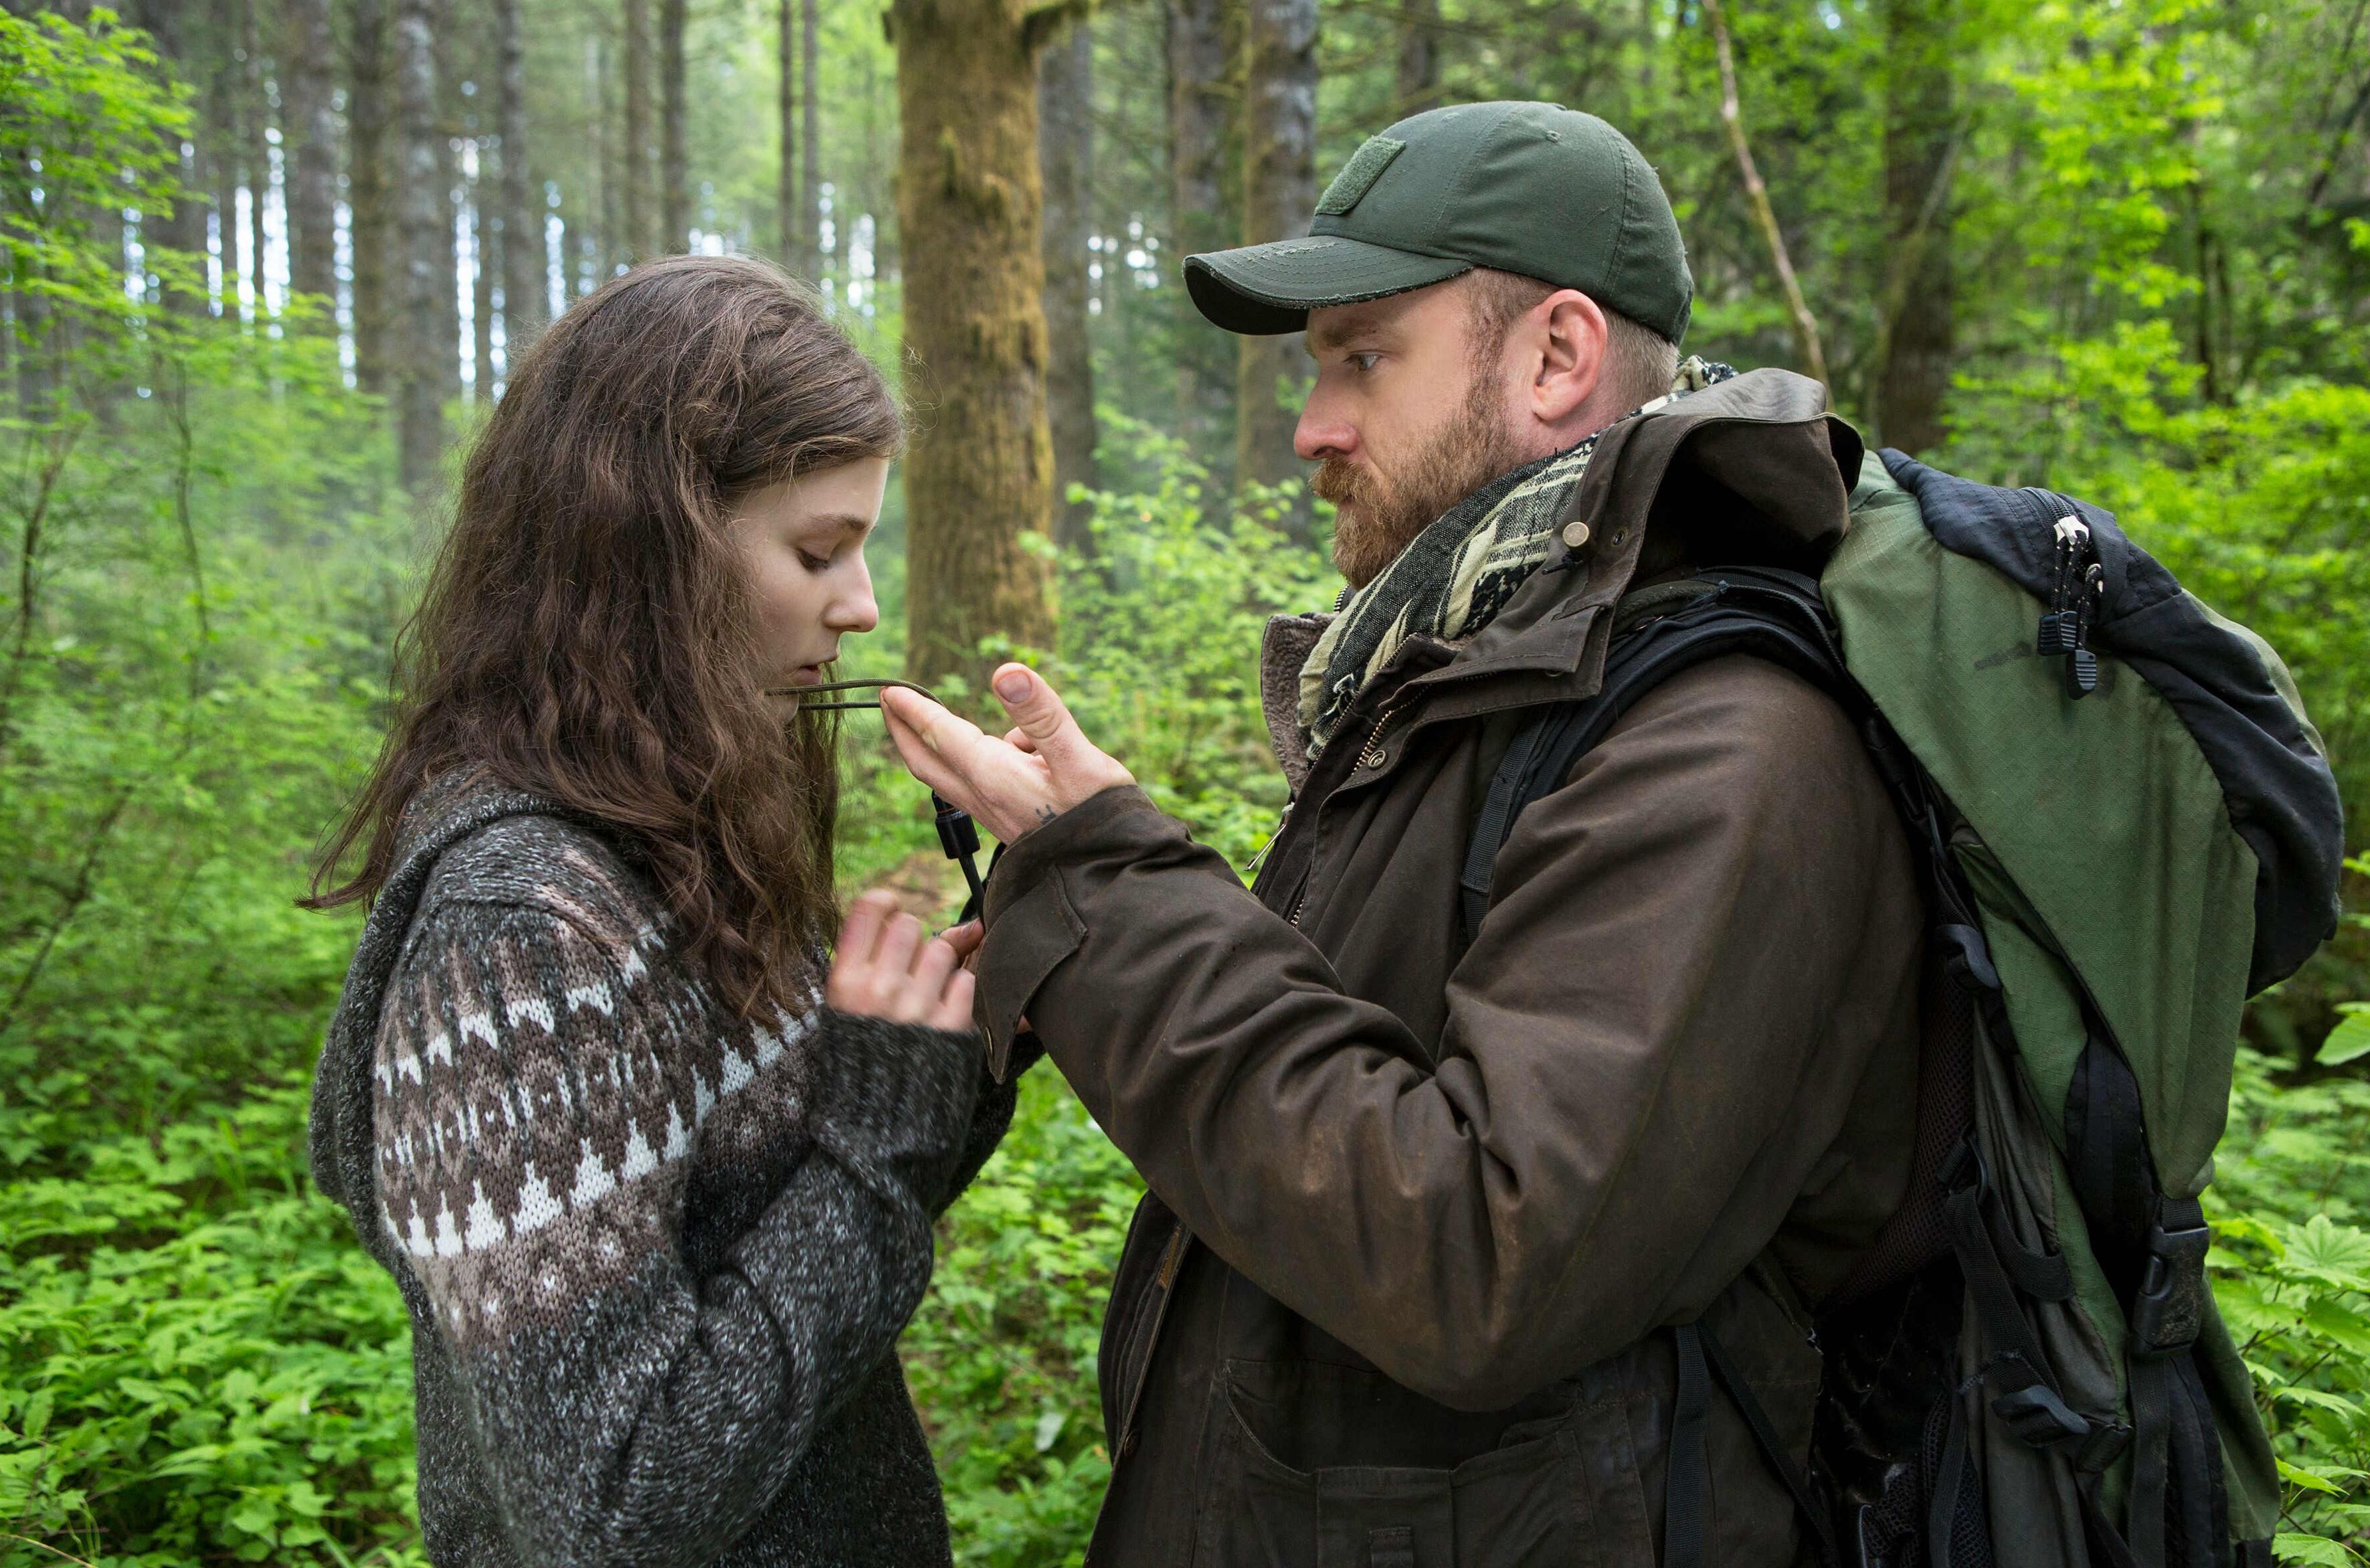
<point>2291,1269</point>
<point>201,566</point>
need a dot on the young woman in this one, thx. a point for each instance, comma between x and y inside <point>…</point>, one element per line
<point>657,1189</point>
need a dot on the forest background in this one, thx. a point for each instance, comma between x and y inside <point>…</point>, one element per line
<point>265,261</point>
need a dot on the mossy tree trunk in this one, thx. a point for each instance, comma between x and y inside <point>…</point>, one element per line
<point>979,484</point>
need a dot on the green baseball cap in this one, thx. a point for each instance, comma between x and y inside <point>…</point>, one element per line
<point>1529,188</point>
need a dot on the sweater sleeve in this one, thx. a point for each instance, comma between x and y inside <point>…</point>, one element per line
<point>535,1099</point>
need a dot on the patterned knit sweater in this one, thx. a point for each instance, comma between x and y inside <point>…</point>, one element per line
<point>655,1255</point>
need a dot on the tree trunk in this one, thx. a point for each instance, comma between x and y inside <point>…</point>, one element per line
<point>1200,97</point>
<point>424,354</point>
<point>366,191</point>
<point>312,124</point>
<point>785,187</point>
<point>255,123</point>
<point>674,177</point>
<point>182,225</point>
<point>1064,149</point>
<point>810,136</point>
<point>481,282</point>
<point>640,217</point>
<point>525,287</point>
<point>981,477</point>
<point>1279,195</point>
<point>1419,56</point>
<point>1913,325</point>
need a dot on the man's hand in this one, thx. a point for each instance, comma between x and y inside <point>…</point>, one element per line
<point>1040,768</point>
<point>884,970</point>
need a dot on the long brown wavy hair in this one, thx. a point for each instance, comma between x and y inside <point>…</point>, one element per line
<point>586,632</point>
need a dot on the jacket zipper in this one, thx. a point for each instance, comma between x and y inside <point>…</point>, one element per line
<point>1368,756</point>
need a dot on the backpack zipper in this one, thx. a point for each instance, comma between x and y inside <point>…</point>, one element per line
<point>2078,584</point>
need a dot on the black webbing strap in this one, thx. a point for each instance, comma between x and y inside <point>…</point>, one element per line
<point>1687,1502</point>
<point>1686,1492</point>
<point>1773,615</point>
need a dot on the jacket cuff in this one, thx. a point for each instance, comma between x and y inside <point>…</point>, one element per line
<point>1030,924</point>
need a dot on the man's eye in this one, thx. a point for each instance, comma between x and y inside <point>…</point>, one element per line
<point>1366,361</point>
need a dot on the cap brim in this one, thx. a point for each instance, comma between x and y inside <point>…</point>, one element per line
<point>1261,290</point>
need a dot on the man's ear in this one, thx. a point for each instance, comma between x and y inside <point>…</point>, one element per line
<point>1569,334</point>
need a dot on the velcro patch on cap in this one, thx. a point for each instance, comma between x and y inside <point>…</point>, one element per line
<point>1358,176</point>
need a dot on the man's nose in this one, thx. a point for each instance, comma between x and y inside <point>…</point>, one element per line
<point>1321,433</point>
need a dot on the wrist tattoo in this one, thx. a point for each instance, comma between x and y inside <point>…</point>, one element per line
<point>1044,814</point>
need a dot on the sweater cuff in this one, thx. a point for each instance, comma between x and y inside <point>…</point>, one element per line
<point>1031,926</point>
<point>908,1080</point>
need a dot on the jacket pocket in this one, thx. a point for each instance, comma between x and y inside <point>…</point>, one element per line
<point>1518,1506</point>
<point>1140,1286</point>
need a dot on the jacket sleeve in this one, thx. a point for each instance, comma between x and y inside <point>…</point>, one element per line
<point>1649,1046</point>
<point>535,1108</point>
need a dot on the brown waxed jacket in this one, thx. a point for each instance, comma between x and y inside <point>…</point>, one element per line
<point>1418,1208</point>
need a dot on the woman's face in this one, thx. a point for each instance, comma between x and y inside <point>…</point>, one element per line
<point>803,542</point>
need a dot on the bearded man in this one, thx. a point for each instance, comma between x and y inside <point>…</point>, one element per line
<point>1444,1212</point>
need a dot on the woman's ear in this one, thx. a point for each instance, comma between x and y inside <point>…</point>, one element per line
<point>1569,335</point>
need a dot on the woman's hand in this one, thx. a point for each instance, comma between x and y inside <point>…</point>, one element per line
<point>884,970</point>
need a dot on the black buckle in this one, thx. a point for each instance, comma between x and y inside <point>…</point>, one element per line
<point>2169,1306</point>
<point>1966,957</point>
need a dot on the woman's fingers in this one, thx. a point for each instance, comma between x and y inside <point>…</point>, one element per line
<point>887,967</point>
<point>953,1009</point>
<point>927,984</point>
<point>850,985</point>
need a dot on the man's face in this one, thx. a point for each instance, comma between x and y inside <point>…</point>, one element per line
<point>1404,422</point>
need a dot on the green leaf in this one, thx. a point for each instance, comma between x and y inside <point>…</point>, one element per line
<point>2349,1041</point>
<point>2312,1549</point>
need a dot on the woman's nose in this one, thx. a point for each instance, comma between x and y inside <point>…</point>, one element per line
<point>854,611</point>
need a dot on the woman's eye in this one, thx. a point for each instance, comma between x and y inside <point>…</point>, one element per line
<point>813,562</point>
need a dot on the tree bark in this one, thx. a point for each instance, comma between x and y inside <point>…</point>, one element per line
<point>640,217</point>
<point>1279,195</point>
<point>1757,194</point>
<point>182,225</point>
<point>1419,56</point>
<point>674,175</point>
<point>312,124</point>
<point>1913,315</point>
<point>811,137</point>
<point>1201,98</point>
<point>481,282</point>
<point>785,187</point>
<point>525,286</point>
<point>255,124</point>
<point>366,191</point>
<point>980,481</point>
<point>1064,149</point>
<point>424,350</point>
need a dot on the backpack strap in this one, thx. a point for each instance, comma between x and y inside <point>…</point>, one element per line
<point>1774,615</point>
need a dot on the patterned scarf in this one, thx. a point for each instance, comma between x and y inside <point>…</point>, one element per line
<point>1458,573</point>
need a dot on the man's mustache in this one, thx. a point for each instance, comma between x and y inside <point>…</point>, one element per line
<point>1340,482</point>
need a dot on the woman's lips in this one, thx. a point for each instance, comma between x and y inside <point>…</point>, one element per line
<point>806,675</point>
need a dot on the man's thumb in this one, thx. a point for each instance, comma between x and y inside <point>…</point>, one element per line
<point>1031,703</point>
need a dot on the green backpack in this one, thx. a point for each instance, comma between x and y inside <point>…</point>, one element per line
<point>2126,827</point>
